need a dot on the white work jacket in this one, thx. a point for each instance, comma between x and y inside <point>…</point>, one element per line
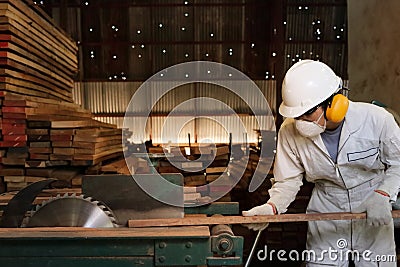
<point>369,148</point>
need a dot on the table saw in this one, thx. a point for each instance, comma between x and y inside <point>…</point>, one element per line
<point>91,229</point>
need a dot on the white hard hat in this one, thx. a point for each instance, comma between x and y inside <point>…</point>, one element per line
<point>307,84</point>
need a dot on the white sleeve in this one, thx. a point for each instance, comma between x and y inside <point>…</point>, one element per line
<point>288,172</point>
<point>390,155</point>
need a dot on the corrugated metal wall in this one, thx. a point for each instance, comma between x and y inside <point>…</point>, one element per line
<point>317,29</point>
<point>122,43</point>
<point>109,101</point>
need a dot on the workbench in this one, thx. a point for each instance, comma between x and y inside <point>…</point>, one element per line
<point>73,246</point>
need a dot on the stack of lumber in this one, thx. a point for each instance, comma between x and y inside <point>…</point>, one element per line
<point>36,145</point>
<point>36,58</point>
<point>43,133</point>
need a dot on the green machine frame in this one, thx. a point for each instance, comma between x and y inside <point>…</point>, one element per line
<point>171,246</point>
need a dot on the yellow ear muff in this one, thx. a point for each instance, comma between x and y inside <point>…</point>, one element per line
<point>337,110</point>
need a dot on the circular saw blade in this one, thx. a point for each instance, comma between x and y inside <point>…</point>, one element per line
<point>71,211</point>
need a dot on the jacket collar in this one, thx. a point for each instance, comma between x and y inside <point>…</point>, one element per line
<point>352,123</point>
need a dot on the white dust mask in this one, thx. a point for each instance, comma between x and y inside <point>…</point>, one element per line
<point>310,128</point>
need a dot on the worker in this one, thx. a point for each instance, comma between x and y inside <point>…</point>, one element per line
<point>351,152</point>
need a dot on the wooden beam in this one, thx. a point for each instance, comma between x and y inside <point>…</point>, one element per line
<point>251,219</point>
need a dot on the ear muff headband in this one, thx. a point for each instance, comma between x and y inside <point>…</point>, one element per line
<point>337,109</point>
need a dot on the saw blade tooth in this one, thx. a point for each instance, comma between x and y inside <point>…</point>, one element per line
<point>108,213</point>
<point>86,198</point>
<point>102,206</point>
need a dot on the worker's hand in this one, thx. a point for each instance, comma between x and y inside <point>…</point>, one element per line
<point>378,209</point>
<point>265,209</point>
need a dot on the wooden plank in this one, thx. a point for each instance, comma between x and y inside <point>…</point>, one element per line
<point>80,123</point>
<point>14,179</point>
<point>39,172</point>
<point>12,144</point>
<point>98,150</point>
<point>251,219</point>
<point>39,156</point>
<point>59,111</point>
<point>61,143</point>
<point>61,157</point>
<point>64,151</point>
<point>44,101</point>
<point>17,152</point>
<point>95,161</point>
<point>13,161</point>
<point>96,132</point>
<point>15,137</point>
<point>15,109</point>
<point>97,139</point>
<point>38,138</point>
<point>12,171</point>
<point>97,156</point>
<point>12,129</point>
<point>119,166</point>
<point>216,169</point>
<point>62,131</point>
<point>19,103</point>
<point>81,232</point>
<point>40,144</point>
<point>37,131</point>
<point>90,145</point>
<point>39,124</point>
<point>61,137</point>
<point>14,115</point>
<point>40,150</point>
<point>14,122</point>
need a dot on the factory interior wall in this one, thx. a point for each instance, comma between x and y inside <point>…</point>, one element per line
<point>373,42</point>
